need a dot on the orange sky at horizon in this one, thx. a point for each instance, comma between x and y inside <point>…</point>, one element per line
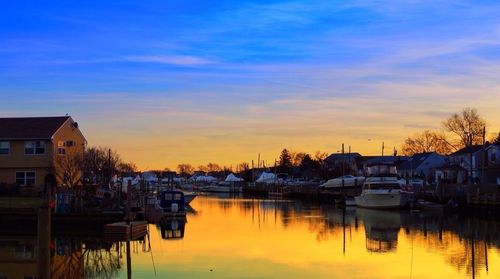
<point>151,141</point>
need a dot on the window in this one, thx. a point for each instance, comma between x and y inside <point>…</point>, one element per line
<point>4,148</point>
<point>61,147</point>
<point>25,178</point>
<point>34,147</point>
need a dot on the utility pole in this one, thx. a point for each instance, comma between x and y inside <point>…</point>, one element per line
<point>343,170</point>
<point>484,156</point>
<point>253,173</point>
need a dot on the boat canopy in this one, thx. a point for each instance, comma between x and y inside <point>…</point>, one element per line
<point>203,178</point>
<point>233,178</point>
<point>268,177</point>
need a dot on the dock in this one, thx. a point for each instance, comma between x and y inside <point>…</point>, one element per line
<point>123,231</point>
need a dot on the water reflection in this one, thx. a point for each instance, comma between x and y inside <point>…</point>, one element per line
<point>381,229</point>
<point>172,228</point>
<point>264,238</point>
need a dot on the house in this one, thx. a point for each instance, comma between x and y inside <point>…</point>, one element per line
<point>32,149</point>
<point>421,165</point>
<point>374,160</point>
<point>468,158</point>
<point>349,161</point>
<point>490,171</point>
<point>482,162</point>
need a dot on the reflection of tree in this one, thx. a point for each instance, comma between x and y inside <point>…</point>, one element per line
<point>75,261</point>
<point>452,238</point>
<point>471,254</point>
<point>101,263</point>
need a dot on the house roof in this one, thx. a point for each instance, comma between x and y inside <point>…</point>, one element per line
<point>371,160</point>
<point>415,161</point>
<point>339,156</point>
<point>468,150</point>
<point>23,128</point>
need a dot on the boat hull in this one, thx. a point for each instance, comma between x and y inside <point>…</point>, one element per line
<point>222,189</point>
<point>381,200</point>
<point>189,197</point>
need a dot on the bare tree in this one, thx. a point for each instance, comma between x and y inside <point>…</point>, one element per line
<point>496,140</point>
<point>297,158</point>
<point>202,168</point>
<point>320,156</point>
<point>427,141</point>
<point>100,163</point>
<point>213,167</point>
<point>241,167</point>
<point>185,169</point>
<point>126,168</point>
<point>467,126</point>
<point>69,168</point>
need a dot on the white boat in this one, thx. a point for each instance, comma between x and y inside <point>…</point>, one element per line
<point>222,187</point>
<point>382,189</point>
<point>349,181</point>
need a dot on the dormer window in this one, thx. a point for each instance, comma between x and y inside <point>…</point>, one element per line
<point>34,148</point>
<point>4,148</point>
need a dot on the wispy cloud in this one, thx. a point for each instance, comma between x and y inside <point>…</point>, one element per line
<point>182,60</point>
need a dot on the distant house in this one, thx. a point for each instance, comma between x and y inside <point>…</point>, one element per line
<point>489,170</point>
<point>421,165</point>
<point>335,161</point>
<point>467,158</point>
<point>481,162</point>
<point>31,146</point>
<point>373,160</point>
<point>493,155</point>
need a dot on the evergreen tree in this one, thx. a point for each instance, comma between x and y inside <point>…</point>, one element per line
<point>285,159</point>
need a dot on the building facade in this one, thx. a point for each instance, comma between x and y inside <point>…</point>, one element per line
<point>33,149</point>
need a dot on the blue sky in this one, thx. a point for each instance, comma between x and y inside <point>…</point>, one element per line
<point>248,76</point>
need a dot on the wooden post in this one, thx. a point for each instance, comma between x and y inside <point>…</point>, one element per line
<point>127,211</point>
<point>129,261</point>
<point>44,237</point>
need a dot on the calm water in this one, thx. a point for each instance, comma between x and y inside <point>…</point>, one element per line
<point>255,238</point>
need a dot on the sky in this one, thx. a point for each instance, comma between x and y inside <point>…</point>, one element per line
<point>168,82</point>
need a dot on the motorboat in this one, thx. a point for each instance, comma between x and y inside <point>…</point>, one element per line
<point>189,197</point>
<point>346,181</point>
<point>222,187</point>
<point>382,189</point>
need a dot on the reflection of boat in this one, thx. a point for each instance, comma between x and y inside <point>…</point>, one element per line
<point>280,191</point>
<point>172,228</point>
<point>381,229</point>
<point>382,189</point>
<point>433,208</point>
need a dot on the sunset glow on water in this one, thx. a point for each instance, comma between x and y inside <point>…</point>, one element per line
<point>251,238</point>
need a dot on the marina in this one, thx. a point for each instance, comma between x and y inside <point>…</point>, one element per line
<point>277,139</point>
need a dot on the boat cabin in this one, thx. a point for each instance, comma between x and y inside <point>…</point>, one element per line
<point>381,170</point>
<point>172,201</point>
